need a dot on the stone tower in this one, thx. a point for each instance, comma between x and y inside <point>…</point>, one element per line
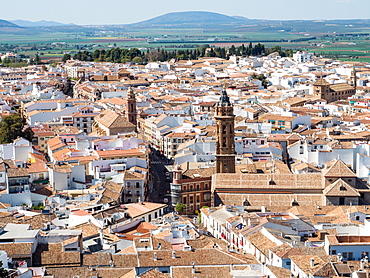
<point>225,141</point>
<point>354,78</point>
<point>131,106</point>
<point>321,88</point>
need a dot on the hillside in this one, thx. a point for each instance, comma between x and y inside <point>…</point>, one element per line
<point>4,23</point>
<point>196,17</point>
<point>41,23</point>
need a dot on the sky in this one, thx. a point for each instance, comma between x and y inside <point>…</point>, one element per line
<point>93,12</point>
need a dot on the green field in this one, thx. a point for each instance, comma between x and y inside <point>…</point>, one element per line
<point>329,40</point>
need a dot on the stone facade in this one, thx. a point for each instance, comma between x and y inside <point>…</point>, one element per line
<point>225,137</point>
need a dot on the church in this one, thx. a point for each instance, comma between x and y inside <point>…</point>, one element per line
<point>334,92</point>
<point>337,184</point>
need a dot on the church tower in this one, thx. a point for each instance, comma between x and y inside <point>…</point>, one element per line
<point>321,88</point>
<point>225,140</point>
<point>131,106</point>
<point>354,78</point>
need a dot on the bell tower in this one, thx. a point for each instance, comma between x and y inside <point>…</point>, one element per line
<point>131,106</point>
<point>225,140</point>
<point>354,78</point>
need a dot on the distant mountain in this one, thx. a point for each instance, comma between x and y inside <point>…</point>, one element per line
<point>196,17</point>
<point>41,23</point>
<point>241,18</point>
<point>4,23</point>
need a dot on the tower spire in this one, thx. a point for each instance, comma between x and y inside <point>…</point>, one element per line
<point>131,106</point>
<point>225,138</point>
<point>354,78</point>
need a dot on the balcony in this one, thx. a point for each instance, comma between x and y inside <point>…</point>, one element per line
<point>40,181</point>
<point>19,188</point>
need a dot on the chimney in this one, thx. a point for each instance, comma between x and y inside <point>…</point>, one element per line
<point>155,256</point>
<point>173,255</point>
<point>312,262</point>
<point>159,246</point>
<point>193,267</point>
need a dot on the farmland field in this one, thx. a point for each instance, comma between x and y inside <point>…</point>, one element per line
<point>337,40</point>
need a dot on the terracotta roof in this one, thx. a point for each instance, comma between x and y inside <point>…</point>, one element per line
<point>37,167</point>
<point>111,120</point>
<point>341,188</point>
<point>339,169</point>
<point>17,172</point>
<point>279,272</point>
<point>321,82</point>
<point>119,153</point>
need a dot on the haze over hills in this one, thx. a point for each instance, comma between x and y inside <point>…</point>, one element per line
<point>40,23</point>
<point>5,23</point>
<point>193,17</point>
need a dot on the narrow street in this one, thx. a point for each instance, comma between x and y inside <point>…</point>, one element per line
<point>160,183</point>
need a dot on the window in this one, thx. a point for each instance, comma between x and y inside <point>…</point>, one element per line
<point>224,129</point>
<point>70,249</point>
<point>207,197</point>
<point>184,200</point>
<point>198,187</point>
<point>198,199</point>
<point>137,184</point>
<point>333,252</point>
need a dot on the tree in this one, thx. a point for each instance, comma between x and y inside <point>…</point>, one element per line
<point>137,60</point>
<point>12,127</point>
<point>180,207</point>
<point>66,57</point>
<point>37,59</point>
<point>262,78</point>
<point>3,272</point>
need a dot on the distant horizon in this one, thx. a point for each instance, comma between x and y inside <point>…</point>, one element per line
<point>117,12</point>
<point>70,23</point>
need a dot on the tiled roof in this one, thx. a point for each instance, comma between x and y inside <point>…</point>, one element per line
<point>17,172</point>
<point>341,188</point>
<point>111,120</point>
<point>52,254</point>
<point>339,169</point>
<point>321,82</point>
<point>279,272</point>
<point>17,250</point>
<point>261,242</point>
